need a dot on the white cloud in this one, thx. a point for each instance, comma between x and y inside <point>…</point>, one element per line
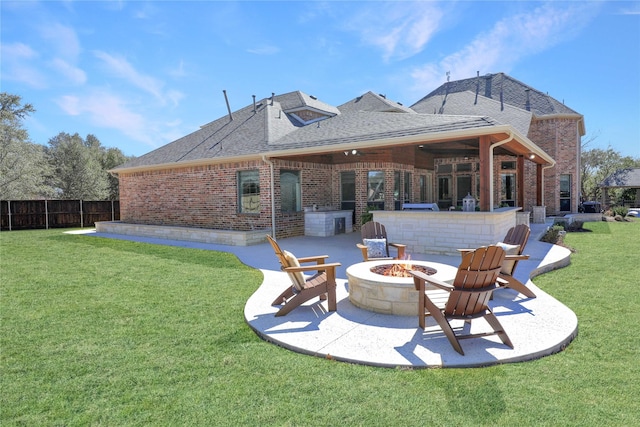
<point>18,65</point>
<point>107,110</point>
<point>264,50</point>
<point>399,29</point>
<point>72,73</point>
<point>63,39</point>
<point>123,69</point>
<point>510,40</point>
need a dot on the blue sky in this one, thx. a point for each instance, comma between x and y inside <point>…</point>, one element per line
<point>139,74</point>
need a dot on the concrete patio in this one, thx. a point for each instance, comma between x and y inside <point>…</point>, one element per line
<point>537,327</point>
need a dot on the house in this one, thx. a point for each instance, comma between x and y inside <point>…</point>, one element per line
<point>259,167</point>
<point>627,179</point>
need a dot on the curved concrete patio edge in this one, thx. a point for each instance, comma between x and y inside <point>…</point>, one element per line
<point>537,327</point>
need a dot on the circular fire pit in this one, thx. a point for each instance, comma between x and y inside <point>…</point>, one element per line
<point>391,294</point>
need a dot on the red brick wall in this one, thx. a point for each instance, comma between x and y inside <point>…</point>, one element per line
<point>203,196</point>
<point>559,138</point>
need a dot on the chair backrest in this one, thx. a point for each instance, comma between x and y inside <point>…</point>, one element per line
<point>518,235</point>
<point>287,259</point>
<point>475,281</point>
<point>375,230</point>
<point>279,253</point>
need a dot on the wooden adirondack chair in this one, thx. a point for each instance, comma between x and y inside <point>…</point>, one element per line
<point>516,236</point>
<point>469,295</point>
<point>375,245</point>
<point>322,284</point>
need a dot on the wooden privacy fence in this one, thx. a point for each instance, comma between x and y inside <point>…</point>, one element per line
<point>32,214</point>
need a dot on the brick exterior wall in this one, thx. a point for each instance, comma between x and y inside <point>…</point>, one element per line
<point>207,196</point>
<point>558,137</point>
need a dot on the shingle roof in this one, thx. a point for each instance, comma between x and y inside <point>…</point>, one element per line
<point>623,178</point>
<point>468,104</point>
<point>501,87</point>
<point>372,102</point>
<point>269,129</point>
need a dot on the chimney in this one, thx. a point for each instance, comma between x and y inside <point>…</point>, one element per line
<point>228,108</point>
<point>254,103</point>
<point>487,85</point>
<point>477,87</point>
<point>527,104</point>
<point>501,98</point>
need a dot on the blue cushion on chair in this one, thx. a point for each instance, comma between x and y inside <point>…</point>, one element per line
<point>376,248</point>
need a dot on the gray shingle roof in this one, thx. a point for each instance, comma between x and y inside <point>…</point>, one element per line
<point>623,178</point>
<point>466,103</point>
<point>500,85</point>
<point>372,102</point>
<point>270,129</point>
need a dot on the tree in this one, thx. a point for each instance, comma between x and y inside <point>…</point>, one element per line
<point>597,164</point>
<point>23,165</point>
<point>111,158</point>
<point>77,164</point>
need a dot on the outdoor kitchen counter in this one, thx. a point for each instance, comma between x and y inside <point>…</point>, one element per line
<point>327,222</point>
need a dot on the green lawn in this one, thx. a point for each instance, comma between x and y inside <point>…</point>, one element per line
<point>105,332</point>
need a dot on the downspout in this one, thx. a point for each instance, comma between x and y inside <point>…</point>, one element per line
<point>491,180</point>
<point>272,190</point>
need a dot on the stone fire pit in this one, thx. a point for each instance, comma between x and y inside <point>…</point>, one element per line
<point>388,294</point>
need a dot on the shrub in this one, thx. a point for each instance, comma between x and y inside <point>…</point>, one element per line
<point>619,210</point>
<point>553,235</point>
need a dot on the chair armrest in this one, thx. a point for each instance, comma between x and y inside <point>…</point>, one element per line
<point>317,259</point>
<point>432,280</point>
<point>317,267</point>
<point>397,245</point>
<point>515,257</point>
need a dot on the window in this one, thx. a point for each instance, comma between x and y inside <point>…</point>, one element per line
<point>249,191</point>
<point>348,191</point>
<point>508,165</point>
<point>375,189</point>
<point>565,192</point>
<point>445,168</point>
<point>464,167</point>
<point>444,191</point>
<point>407,187</point>
<point>508,190</point>
<point>463,184</point>
<point>426,188</point>
<point>397,185</point>
<point>290,196</point>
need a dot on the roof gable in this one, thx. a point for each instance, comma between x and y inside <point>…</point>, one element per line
<point>504,89</point>
<point>372,102</point>
<point>467,103</point>
<point>623,178</point>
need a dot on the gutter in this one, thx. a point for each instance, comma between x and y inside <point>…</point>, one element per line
<point>491,181</point>
<point>272,190</point>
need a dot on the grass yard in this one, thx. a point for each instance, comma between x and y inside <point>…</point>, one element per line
<point>105,332</point>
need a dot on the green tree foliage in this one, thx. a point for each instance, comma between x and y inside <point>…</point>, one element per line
<point>111,158</point>
<point>78,172</point>
<point>23,165</point>
<point>596,165</point>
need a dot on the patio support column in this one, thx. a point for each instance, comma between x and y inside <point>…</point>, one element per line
<point>539,185</point>
<point>486,174</point>
<point>520,181</point>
